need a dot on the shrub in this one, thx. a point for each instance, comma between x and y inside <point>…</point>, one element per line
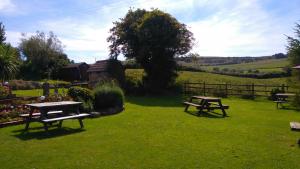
<point>80,93</point>
<point>3,92</point>
<point>108,95</point>
<point>296,101</point>
<point>274,92</point>
<point>133,86</point>
<point>83,95</point>
<point>216,69</point>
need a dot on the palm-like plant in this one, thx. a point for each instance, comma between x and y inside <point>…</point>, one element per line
<point>9,63</point>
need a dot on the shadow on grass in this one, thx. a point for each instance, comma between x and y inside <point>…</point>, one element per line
<point>210,114</point>
<point>288,108</point>
<point>160,101</point>
<point>39,133</point>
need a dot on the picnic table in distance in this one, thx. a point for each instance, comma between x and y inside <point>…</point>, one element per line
<point>50,112</point>
<point>208,103</point>
<point>282,98</point>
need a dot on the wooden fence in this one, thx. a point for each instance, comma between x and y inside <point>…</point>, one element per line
<point>226,89</point>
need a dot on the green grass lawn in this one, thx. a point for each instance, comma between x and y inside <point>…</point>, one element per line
<point>155,132</point>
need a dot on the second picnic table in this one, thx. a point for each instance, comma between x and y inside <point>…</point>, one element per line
<point>282,98</point>
<point>208,103</point>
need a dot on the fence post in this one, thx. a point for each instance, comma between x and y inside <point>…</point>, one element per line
<point>226,89</point>
<point>282,88</point>
<point>253,91</point>
<point>204,88</point>
<point>184,89</point>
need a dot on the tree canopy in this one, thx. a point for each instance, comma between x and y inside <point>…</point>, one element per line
<point>293,47</point>
<point>43,55</point>
<point>2,33</point>
<point>153,38</point>
<point>9,62</point>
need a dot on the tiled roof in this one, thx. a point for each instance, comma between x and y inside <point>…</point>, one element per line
<point>74,65</point>
<point>99,66</point>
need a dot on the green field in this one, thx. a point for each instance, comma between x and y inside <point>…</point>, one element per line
<point>270,65</point>
<point>155,132</point>
<point>36,92</point>
<point>210,78</point>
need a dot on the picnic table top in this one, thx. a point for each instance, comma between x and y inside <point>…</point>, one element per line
<point>53,104</point>
<point>285,94</point>
<point>206,98</point>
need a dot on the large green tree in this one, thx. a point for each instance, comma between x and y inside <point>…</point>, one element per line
<point>43,55</point>
<point>293,47</point>
<point>153,38</point>
<point>9,62</point>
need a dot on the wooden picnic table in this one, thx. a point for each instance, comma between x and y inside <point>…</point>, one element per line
<point>50,112</point>
<point>208,103</point>
<point>282,98</point>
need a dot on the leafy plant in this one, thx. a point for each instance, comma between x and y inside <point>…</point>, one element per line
<point>83,95</point>
<point>274,92</point>
<point>3,92</point>
<point>108,95</point>
<point>9,63</point>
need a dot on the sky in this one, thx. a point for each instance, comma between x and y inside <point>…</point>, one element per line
<point>220,27</point>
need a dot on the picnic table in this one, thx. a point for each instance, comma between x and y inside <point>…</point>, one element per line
<point>208,103</point>
<point>282,98</point>
<point>50,112</point>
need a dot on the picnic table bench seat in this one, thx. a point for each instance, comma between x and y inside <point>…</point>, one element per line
<point>191,104</point>
<point>76,116</point>
<point>38,114</point>
<point>60,119</point>
<point>280,102</point>
<point>216,106</point>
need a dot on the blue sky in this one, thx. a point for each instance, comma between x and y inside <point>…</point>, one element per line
<point>220,27</point>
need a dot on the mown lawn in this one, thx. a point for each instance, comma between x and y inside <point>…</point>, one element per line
<point>154,132</point>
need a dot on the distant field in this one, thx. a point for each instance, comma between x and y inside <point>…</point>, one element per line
<point>270,65</point>
<point>36,92</point>
<point>210,78</point>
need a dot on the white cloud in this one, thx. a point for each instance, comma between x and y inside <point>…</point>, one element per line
<point>245,29</point>
<point>7,6</point>
<point>226,28</point>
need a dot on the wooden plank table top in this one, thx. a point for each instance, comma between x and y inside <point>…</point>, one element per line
<point>286,94</point>
<point>206,98</point>
<point>53,104</point>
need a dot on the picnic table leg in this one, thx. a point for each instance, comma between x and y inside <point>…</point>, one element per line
<point>223,110</point>
<point>46,126</point>
<point>28,120</point>
<point>202,103</point>
<point>81,123</point>
<point>187,106</point>
<point>60,123</point>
